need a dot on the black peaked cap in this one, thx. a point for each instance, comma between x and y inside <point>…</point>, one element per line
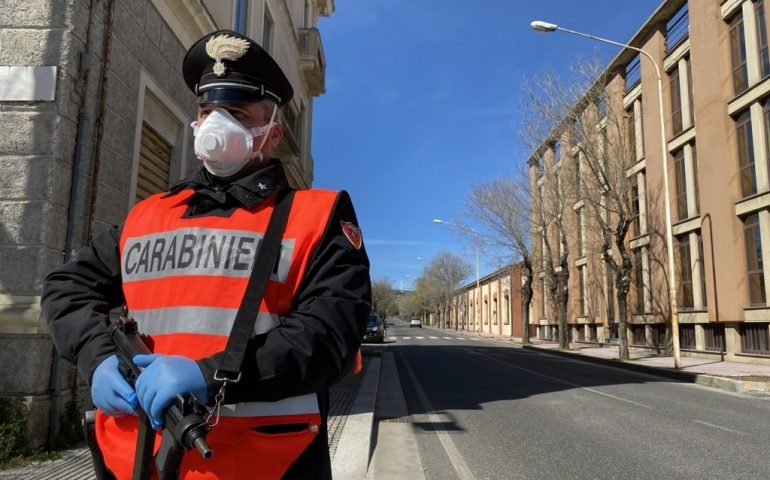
<point>225,66</point>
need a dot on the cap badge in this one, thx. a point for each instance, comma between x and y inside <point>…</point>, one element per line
<point>225,47</point>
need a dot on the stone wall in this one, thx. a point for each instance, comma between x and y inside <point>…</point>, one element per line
<point>94,108</point>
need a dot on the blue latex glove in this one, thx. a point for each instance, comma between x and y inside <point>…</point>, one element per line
<point>163,378</point>
<point>111,392</point>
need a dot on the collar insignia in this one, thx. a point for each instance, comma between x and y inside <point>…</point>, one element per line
<point>261,186</point>
<point>225,47</point>
<point>352,233</point>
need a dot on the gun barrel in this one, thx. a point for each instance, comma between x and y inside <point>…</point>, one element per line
<point>203,447</point>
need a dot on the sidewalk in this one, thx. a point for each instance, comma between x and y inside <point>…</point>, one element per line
<point>748,378</point>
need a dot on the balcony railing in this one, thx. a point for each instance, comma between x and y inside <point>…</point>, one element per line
<point>312,61</point>
<point>677,29</point>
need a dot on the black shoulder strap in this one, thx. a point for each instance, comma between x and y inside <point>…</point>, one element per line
<point>264,263</point>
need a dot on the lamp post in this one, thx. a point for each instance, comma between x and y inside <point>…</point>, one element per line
<point>541,26</point>
<point>478,241</point>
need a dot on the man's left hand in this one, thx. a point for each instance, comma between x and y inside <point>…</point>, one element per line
<point>163,378</point>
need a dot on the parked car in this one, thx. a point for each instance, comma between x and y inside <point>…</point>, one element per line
<point>375,329</point>
<point>415,322</point>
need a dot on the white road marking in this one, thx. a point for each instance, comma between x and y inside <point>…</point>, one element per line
<point>433,338</point>
<point>407,338</point>
<point>392,338</point>
<point>455,457</point>
<point>564,381</point>
<point>475,339</point>
<point>447,338</point>
<point>420,338</point>
<point>462,338</point>
<point>720,428</point>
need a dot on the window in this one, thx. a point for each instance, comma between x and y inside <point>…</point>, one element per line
<point>715,336</point>
<point>578,177</point>
<point>582,292</point>
<point>702,270</point>
<point>507,315</point>
<point>267,31</point>
<point>766,116</point>
<point>754,266</point>
<point>677,28</point>
<point>633,73</point>
<point>681,184</point>
<point>638,335</point>
<point>745,139</point>
<point>556,151</point>
<point>639,280</point>
<point>695,179</point>
<point>764,59</point>
<point>241,16</point>
<point>658,332</point>
<point>579,225</point>
<point>631,129</point>
<point>689,91</point>
<point>635,220</point>
<point>676,101</point>
<point>154,163</point>
<point>685,272</point>
<point>738,53</point>
<point>687,336</point>
<point>754,338</point>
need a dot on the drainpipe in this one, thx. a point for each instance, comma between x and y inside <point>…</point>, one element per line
<point>81,198</point>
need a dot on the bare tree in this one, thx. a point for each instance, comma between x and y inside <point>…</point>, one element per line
<point>444,274</point>
<point>384,297</point>
<point>589,115</point>
<point>553,192</point>
<point>502,207</point>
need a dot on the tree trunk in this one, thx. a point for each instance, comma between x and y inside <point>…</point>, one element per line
<point>526,299</point>
<point>623,286</point>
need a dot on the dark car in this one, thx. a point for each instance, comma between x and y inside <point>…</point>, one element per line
<point>375,330</point>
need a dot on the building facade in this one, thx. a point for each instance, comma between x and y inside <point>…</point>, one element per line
<point>96,116</point>
<point>715,69</point>
<point>490,306</point>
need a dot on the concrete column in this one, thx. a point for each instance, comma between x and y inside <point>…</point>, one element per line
<point>639,131</point>
<point>689,181</point>
<point>684,95</point>
<point>752,45</point>
<point>700,337</point>
<point>760,146</point>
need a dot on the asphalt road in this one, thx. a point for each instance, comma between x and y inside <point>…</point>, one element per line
<point>487,409</point>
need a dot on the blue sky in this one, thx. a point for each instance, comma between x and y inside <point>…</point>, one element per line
<point>421,103</point>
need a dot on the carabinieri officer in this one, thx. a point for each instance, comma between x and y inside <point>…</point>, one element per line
<point>180,262</point>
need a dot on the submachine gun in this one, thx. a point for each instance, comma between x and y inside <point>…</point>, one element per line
<point>184,427</point>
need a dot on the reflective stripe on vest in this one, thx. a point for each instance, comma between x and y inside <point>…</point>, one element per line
<point>300,405</point>
<point>204,320</point>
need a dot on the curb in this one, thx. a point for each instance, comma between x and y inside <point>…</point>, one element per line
<point>713,381</point>
<point>351,459</point>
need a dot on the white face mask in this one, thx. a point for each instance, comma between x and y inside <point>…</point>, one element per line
<point>224,144</point>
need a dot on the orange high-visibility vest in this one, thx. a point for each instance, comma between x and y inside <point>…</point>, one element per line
<point>183,280</point>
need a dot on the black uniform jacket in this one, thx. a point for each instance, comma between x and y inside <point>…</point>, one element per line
<point>312,348</point>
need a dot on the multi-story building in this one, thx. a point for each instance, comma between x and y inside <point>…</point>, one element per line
<point>95,115</point>
<point>715,67</point>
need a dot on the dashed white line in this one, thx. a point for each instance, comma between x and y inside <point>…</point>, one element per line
<point>392,338</point>
<point>719,427</point>
<point>433,338</point>
<point>447,338</point>
<point>420,338</point>
<point>407,338</point>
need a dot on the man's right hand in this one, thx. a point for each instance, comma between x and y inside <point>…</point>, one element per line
<point>111,392</point>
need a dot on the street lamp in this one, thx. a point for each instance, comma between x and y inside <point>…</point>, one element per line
<point>541,26</point>
<point>478,242</point>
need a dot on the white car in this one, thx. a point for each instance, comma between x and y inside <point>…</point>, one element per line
<point>415,322</point>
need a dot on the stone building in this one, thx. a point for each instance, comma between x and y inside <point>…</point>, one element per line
<point>95,115</point>
<point>715,68</point>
